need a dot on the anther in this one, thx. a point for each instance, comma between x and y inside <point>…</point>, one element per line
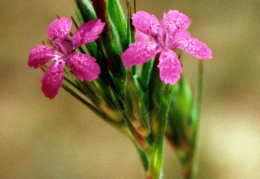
<point>49,42</point>
<point>155,34</point>
<point>73,43</point>
<point>66,59</point>
<point>67,40</point>
<point>159,45</point>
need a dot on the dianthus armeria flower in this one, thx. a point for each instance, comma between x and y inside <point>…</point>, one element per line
<point>167,35</point>
<point>63,52</point>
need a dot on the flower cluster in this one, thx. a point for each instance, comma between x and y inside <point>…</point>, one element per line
<point>139,105</point>
<point>166,36</point>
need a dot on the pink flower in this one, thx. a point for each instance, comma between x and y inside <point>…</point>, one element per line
<point>167,35</point>
<point>63,52</point>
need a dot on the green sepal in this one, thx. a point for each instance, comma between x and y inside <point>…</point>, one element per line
<point>132,32</point>
<point>144,157</point>
<point>74,22</point>
<point>107,49</point>
<point>156,87</point>
<point>109,42</point>
<point>86,9</point>
<point>115,36</point>
<point>135,106</point>
<point>146,74</point>
<point>181,114</point>
<point>104,91</point>
<point>91,91</point>
<point>118,86</point>
<point>183,99</point>
<point>128,23</point>
<point>117,17</point>
<point>112,55</point>
<point>79,15</point>
<point>159,126</point>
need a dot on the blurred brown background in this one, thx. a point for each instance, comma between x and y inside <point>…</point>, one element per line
<point>60,138</point>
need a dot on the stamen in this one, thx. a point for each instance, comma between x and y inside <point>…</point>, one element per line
<point>156,34</point>
<point>67,40</point>
<point>49,42</point>
<point>159,45</point>
<point>73,43</point>
<point>66,59</point>
<point>43,68</point>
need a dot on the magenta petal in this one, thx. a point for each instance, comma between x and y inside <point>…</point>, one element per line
<point>170,67</point>
<point>140,36</point>
<point>195,48</point>
<point>180,35</point>
<point>40,55</point>
<point>83,66</point>
<point>88,32</point>
<point>59,28</point>
<point>52,79</point>
<point>139,53</point>
<point>146,23</point>
<point>174,21</point>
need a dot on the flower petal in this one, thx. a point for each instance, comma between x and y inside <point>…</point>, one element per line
<point>52,79</point>
<point>195,48</point>
<point>88,32</point>
<point>139,53</point>
<point>59,28</point>
<point>83,66</point>
<point>140,36</point>
<point>170,67</point>
<point>40,55</point>
<point>174,21</point>
<point>180,35</point>
<point>147,23</point>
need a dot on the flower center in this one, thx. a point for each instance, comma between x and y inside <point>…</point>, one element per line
<point>65,46</point>
<point>167,38</point>
<point>161,38</point>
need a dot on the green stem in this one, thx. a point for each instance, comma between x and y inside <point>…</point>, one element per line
<point>156,157</point>
<point>155,169</point>
<point>195,140</point>
<point>146,74</point>
<point>200,84</point>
